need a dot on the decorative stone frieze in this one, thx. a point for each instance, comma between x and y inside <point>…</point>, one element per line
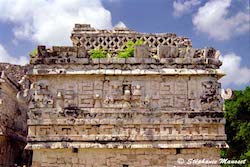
<point>165,99</point>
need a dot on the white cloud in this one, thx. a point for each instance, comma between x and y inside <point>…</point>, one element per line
<point>214,19</point>
<point>51,21</point>
<point>121,25</point>
<point>113,1</point>
<point>183,7</point>
<point>6,58</point>
<point>235,73</point>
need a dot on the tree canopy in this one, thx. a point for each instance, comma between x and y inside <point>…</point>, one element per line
<point>237,114</point>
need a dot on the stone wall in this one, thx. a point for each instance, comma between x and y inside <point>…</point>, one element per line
<point>158,51</point>
<point>13,116</point>
<point>146,110</point>
<point>165,57</point>
<point>146,91</point>
<point>125,108</point>
<point>121,157</point>
<point>14,72</point>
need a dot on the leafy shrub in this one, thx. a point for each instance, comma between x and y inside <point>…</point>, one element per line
<point>98,53</point>
<point>128,48</point>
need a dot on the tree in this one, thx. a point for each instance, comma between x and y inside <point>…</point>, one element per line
<point>237,114</point>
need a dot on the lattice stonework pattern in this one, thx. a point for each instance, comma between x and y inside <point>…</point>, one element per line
<point>113,40</point>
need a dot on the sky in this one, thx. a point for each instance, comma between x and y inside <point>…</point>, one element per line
<point>222,24</point>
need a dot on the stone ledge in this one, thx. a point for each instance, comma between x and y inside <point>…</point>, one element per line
<point>110,116</point>
<point>108,110</point>
<point>130,145</point>
<point>164,71</point>
<point>125,138</point>
<point>124,121</point>
<point>191,63</point>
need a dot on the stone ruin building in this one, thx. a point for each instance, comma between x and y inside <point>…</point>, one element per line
<point>148,110</point>
<point>13,116</point>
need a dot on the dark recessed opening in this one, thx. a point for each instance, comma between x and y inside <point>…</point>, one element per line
<point>178,151</point>
<point>75,150</point>
<point>124,165</point>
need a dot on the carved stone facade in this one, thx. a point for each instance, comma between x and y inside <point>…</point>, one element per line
<point>162,104</point>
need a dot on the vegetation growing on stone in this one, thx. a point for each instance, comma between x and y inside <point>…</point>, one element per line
<point>128,48</point>
<point>98,53</point>
<point>238,126</point>
<point>33,53</point>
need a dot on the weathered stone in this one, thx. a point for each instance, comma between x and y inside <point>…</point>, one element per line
<point>165,51</point>
<point>141,51</point>
<point>136,111</point>
<point>13,115</point>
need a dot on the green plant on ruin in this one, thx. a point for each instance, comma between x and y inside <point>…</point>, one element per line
<point>128,48</point>
<point>33,53</point>
<point>97,53</point>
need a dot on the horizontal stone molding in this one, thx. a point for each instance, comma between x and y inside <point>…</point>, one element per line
<point>126,132</point>
<point>124,121</point>
<point>169,62</point>
<point>126,138</point>
<point>130,145</point>
<point>164,71</point>
<point>124,117</point>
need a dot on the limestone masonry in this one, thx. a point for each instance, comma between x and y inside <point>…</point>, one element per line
<point>148,110</point>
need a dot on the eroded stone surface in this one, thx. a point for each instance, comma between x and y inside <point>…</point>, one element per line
<point>123,157</point>
<point>146,110</point>
<point>13,115</point>
<point>158,51</point>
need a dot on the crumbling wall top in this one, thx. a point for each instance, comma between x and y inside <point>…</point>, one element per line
<point>14,72</point>
<point>164,50</point>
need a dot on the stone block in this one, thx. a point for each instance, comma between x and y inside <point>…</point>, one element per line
<point>167,61</point>
<point>165,51</point>
<point>141,51</point>
<point>82,61</point>
<point>179,60</point>
<point>105,60</point>
<point>82,52</point>
<point>196,61</point>
<point>133,60</point>
<point>96,61</point>
<point>118,60</point>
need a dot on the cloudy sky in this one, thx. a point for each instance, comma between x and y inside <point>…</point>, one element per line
<point>222,24</point>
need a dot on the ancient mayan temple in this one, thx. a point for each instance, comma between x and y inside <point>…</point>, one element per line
<point>148,110</point>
